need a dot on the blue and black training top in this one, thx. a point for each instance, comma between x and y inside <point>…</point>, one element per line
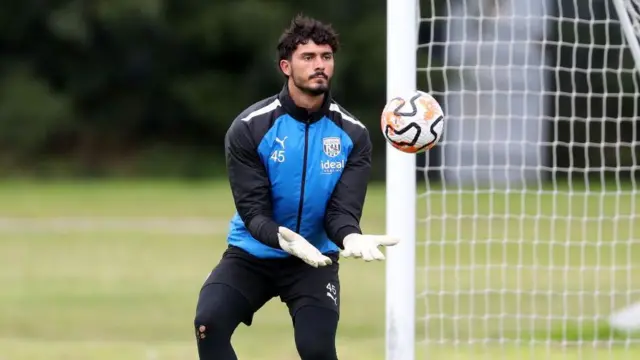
<point>305,171</point>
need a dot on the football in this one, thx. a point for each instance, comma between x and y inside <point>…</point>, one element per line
<point>412,123</point>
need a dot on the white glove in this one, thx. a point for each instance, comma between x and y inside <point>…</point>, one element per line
<point>366,246</point>
<point>298,246</point>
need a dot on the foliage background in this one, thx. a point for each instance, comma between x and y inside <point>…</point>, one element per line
<point>148,87</point>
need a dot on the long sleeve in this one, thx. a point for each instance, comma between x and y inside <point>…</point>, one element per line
<point>344,208</point>
<point>250,184</point>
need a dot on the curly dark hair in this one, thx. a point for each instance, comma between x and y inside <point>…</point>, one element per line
<point>303,29</point>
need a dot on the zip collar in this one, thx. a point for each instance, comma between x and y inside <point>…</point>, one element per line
<point>302,114</point>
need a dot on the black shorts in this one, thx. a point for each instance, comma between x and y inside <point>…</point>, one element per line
<point>295,282</point>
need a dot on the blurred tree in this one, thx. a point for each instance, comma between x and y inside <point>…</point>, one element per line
<point>29,114</point>
<point>113,86</point>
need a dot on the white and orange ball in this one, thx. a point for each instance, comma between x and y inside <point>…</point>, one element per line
<point>412,123</point>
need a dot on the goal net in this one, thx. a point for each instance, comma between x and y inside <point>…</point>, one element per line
<point>526,226</point>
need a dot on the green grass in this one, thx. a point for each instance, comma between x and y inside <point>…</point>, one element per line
<point>111,271</point>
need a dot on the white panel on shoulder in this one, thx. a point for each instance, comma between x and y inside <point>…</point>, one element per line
<point>263,110</point>
<point>336,108</point>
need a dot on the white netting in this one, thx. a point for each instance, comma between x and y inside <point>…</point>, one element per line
<point>528,228</point>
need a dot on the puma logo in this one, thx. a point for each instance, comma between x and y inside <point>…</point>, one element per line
<point>281,142</point>
<point>332,298</point>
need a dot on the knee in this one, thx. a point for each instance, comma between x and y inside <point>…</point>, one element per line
<point>218,313</point>
<point>211,324</point>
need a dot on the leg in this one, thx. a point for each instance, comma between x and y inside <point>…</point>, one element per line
<point>313,298</point>
<point>315,333</point>
<point>219,311</point>
<point>236,288</point>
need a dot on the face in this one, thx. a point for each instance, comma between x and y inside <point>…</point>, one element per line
<point>310,68</point>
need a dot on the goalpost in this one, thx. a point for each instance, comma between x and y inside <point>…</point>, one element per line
<point>521,233</point>
<point>402,26</point>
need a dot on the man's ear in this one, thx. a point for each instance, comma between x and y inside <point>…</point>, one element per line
<point>285,67</point>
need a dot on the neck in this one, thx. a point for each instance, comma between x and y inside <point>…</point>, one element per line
<point>306,101</point>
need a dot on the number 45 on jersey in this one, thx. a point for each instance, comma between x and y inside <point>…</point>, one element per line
<point>278,155</point>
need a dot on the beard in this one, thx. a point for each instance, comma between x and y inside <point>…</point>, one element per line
<point>311,89</point>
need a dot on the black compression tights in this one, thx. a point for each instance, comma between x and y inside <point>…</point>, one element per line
<point>221,309</point>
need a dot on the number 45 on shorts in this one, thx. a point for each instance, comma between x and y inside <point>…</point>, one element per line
<point>332,293</point>
<point>332,288</point>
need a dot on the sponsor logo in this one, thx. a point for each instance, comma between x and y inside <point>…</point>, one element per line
<point>330,167</point>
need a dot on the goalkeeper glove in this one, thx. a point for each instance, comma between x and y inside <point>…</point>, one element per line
<point>298,246</point>
<point>366,246</point>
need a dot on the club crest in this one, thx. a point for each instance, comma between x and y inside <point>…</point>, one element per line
<point>331,146</point>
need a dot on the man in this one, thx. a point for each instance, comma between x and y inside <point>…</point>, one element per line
<point>298,166</point>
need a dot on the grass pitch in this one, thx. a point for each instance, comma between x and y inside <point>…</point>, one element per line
<point>111,271</point>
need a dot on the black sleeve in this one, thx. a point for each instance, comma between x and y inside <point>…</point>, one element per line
<point>250,184</point>
<point>344,209</point>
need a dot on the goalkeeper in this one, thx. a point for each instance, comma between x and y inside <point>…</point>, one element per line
<point>298,165</point>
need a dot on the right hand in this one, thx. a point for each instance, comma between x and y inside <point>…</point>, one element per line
<point>298,246</point>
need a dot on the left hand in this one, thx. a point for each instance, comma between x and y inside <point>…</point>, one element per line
<point>298,246</point>
<point>366,246</point>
